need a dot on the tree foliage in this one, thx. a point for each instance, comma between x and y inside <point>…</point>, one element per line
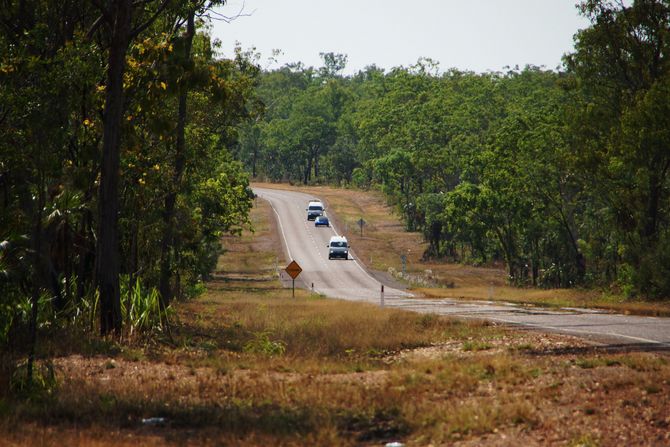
<point>562,176</point>
<point>174,188</point>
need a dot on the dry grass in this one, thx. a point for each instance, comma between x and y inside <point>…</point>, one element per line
<point>384,241</point>
<point>309,333</point>
<point>248,365</point>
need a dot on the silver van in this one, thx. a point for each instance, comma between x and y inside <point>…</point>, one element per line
<point>314,209</point>
<point>338,247</point>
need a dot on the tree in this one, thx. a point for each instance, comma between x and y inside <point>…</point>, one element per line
<point>44,70</point>
<point>621,62</point>
<point>57,112</point>
<point>333,64</point>
<point>185,45</point>
<point>122,29</point>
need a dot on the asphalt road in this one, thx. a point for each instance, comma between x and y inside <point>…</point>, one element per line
<point>307,245</point>
<point>349,280</point>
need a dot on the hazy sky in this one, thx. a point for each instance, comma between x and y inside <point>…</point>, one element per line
<point>477,35</point>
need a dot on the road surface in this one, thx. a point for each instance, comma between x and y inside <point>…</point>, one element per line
<point>307,245</point>
<point>350,280</point>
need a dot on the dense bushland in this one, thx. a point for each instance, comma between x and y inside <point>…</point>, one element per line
<point>116,182</point>
<point>560,174</point>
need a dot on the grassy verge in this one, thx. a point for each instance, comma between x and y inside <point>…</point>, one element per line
<point>249,365</point>
<point>384,242</point>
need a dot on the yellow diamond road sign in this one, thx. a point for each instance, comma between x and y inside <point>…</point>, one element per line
<point>293,269</point>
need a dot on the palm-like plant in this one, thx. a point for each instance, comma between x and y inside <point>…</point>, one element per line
<point>15,268</point>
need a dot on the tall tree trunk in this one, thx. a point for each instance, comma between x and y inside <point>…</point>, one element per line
<point>86,255</point>
<point>68,262</point>
<point>37,280</point>
<point>308,170</point>
<point>650,227</point>
<point>254,161</point>
<point>507,245</point>
<point>567,218</point>
<point>107,259</point>
<point>535,261</point>
<point>167,242</point>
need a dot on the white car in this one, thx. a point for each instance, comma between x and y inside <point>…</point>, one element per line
<point>338,247</point>
<point>314,209</point>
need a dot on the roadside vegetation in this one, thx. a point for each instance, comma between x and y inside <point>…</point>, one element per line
<point>124,152</point>
<point>137,308</point>
<point>246,364</point>
<point>559,175</point>
<point>385,242</point>
<point>116,180</point>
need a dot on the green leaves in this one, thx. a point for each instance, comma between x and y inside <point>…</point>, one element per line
<point>621,136</point>
<point>563,175</point>
<point>53,89</point>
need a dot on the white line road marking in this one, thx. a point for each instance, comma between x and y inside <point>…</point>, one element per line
<point>607,327</point>
<point>563,330</point>
<point>281,227</point>
<point>334,230</point>
<point>363,270</point>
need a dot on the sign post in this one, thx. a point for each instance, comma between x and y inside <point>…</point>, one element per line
<point>361,222</point>
<point>293,270</point>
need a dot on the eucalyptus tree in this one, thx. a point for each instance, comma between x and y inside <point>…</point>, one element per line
<point>621,62</point>
<point>261,147</point>
<point>391,136</point>
<point>301,125</point>
<point>563,175</point>
<point>185,75</point>
<point>59,66</point>
<point>120,23</point>
<point>44,69</point>
<point>167,151</point>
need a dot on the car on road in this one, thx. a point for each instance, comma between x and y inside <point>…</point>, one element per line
<point>321,221</point>
<point>314,209</point>
<point>338,247</point>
